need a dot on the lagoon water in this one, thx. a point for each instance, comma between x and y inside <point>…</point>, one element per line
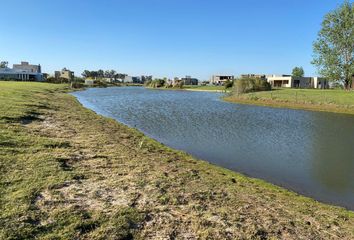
<point>311,153</point>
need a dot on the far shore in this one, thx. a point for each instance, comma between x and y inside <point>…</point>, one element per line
<point>329,100</point>
<point>335,101</point>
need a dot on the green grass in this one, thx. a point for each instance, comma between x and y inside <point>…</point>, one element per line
<point>310,99</point>
<point>30,164</point>
<point>68,173</point>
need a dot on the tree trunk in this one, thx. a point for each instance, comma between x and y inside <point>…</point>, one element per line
<point>346,84</point>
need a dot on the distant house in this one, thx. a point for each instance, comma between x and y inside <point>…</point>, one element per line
<point>289,81</point>
<point>136,79</point>
<point>188,80</point>
<point>251,75</point>
<point>25,66</point>
<point>89,82</point>
<point>22,72</point>
<point>64,73</point>
<point>221,79</point>
<point>128,79</point>
<point>108,79</point>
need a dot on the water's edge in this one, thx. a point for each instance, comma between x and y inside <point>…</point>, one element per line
<point>243,174</point>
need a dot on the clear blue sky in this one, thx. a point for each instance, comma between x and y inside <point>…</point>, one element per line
<point>163,37</point>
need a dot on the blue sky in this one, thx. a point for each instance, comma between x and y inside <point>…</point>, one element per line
<point>163,37</point>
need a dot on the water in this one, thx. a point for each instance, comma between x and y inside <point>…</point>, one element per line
<point>311,153</point>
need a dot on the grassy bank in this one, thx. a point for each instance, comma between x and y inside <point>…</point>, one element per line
<point>309,99</point>
<point>68,173</point>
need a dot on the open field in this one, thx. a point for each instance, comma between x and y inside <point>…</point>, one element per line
<point>309,99</point>
<point>68,173</point>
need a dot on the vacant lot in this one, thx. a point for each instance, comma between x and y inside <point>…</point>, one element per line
<point>67,173</point>
<point>311,99</point>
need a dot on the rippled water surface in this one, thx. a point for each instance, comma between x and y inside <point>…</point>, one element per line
<point>311,153</point>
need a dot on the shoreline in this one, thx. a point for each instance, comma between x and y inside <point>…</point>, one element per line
<point>162,191</point>
<point>330,108</point>
<point>320,107</point>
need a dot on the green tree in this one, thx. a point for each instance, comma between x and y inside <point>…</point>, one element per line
<point>3,64</point>
<point>86,74</point>
<point>334,47</point>
<point>298,72</point>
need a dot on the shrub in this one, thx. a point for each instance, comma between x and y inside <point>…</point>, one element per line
<point>229,84</point>
<point>178,84</point>
<point>157,83</point>
<point>246,85</point>
<point>77,85</point>
<point>57,80</point>
<point>147,83</point>
<point>99,83</point>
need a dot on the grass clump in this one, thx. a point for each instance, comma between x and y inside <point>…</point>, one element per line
<point>247,85</point>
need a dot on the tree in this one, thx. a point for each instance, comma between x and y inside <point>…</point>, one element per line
<point>334,47</point>
<point>3,64</point>
<point>298,72</point>
<point>112,73</point>
<point>100,73</point>
<point>86,74</point>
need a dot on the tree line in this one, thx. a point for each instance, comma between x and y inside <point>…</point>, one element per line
<point>103,74</point>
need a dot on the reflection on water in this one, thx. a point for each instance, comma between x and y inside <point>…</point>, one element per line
<point>309,152</point>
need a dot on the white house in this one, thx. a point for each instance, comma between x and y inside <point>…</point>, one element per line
<point>22,72</point>
<point>89,82</point>
<point>221,79</point>
<point>289,81</point>
<point>128,79</point>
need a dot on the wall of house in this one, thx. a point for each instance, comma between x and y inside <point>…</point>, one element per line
<point>321,83</point>
<point>27,67</point>
<point>284,81</point>
<point>64,74</point>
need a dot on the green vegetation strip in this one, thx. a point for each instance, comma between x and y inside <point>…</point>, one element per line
<point>328,100</point>
<point>68,173</point>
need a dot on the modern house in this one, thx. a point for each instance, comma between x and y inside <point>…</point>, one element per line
<point>188,80</point>
<point>89,82</point>
<point>25,66</point>
<point>64,73</point>
<point>289,81</point>
<point>221,79</point>
<point>128,79</point>
<point>22,72</point>
<point>251,75</point>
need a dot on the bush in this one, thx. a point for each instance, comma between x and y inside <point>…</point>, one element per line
<point>229,84</point>
<point>147,83</point>
<point>99,83</point>
<point>157,83</point>
<point>178,84</point>
<point>246,85</point>
<point>77,85</point>
<point>57,80</point>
